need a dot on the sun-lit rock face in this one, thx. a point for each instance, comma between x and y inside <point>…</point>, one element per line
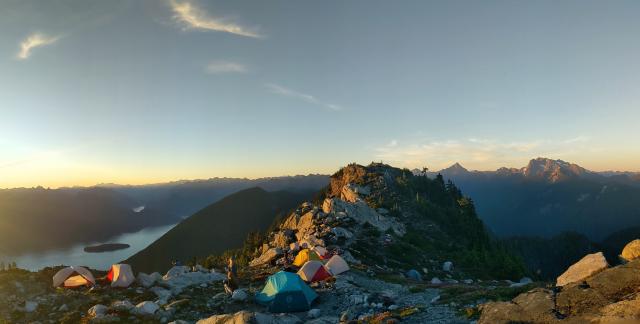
<point>631,251</point>
<point>586,267</point>
<point>589,292</point>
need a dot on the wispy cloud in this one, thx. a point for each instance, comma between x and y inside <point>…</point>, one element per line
<point>220,67</point>
<point>192,17</point>
<point>478,153</point>
<point>32,41</point>
<point>286,92</point>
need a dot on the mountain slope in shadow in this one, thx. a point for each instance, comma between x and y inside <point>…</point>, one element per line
<point>218,227</point>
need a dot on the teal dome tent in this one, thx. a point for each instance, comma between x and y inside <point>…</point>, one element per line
<point>285,292</point>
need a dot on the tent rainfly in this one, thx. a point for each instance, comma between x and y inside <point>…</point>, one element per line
<point>337,265</point>
<point>322,252</point>
<point>121,275</point>
<point>285,292</point>
<point>70,277</point>
<point>314,271</point>
<point>305,255</point>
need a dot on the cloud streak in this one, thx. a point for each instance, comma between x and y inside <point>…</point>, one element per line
<point>486,154</point>
<point>221,67</point>
<point>192,17</point>
<point>33,41</point>
<point>286,92</point>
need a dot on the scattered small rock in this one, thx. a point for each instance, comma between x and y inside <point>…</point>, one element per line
<point>239,295</point>
<point>147,308</point>
<point>97,310</point>
<point>447,266</point>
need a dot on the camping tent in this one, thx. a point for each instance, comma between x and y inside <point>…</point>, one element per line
<point>305,255</point>
<point>313,271</point>
<point>285,292</point>
<point>322,252</point>
<point>413,274</point>
<point>121,275</point>
<point>337,265</point>
<point>73,277</point>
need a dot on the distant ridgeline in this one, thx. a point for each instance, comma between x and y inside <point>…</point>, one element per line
<point>553,212</point>
<point>548,197</point>
<point>433,221</point>
<point>39,219</point>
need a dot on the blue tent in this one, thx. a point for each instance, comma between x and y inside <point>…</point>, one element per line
<point>414,275</point>
<point>285,292</point>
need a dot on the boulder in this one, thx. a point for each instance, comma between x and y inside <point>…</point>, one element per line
<point>280,240</point>
<point>342,232</point>
<point>266,257</point>
<point>436,281</point>
<point>313,313</point>
<point>351,192</point>
<point>97,310</point>
<point>305,225</point>
<point>161,293</point>
<point>122,305</point>
<point>311,241</point>
<point>327,205</point>
<point>261,318</point>
<point>535,306</point>
<point>586,267</point>
<point>30,306</point>
<point>175,272</point>
<point>362,213</point>
<point>145,280</point>
<point>239,295</point>
<point>241,317</point>
<point>447,266</point>
<point>180,280</point>
<point>609,296</point>
<point>291,222</point>
<point>147,308</point>
<point>631,251</point>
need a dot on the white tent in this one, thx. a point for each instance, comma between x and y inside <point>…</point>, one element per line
<point>73,277</point>
<point>121,275</point>
<point>337,265</point>
<point>321,251</point>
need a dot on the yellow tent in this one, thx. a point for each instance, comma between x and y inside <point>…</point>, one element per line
<point>305,255</point>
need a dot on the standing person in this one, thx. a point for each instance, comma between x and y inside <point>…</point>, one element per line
<point>231,283</point>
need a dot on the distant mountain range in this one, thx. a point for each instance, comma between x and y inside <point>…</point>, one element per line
<point>39,219</point>
<point>183,198</point>
<point>548,197</point>
<point>218,227</point>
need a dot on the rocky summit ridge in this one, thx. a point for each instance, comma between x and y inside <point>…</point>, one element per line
<point>417,251</point>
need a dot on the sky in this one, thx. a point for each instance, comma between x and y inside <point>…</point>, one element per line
<point>157,90</point>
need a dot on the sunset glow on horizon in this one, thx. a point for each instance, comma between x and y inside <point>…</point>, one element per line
<point>157,91</point>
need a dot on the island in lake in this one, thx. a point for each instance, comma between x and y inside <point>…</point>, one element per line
<point>107,247</point>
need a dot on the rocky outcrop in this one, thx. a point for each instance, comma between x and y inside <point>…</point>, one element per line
<point>631,251</point>
<point>246,317</point>
<point>351,192</point>
<point>266,257</point>
<point>605,296</point>
<point>536,306</point>
<point>362,213</point>
<point>586,267</point>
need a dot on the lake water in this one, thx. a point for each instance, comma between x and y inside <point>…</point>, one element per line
<point>100,261</point>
